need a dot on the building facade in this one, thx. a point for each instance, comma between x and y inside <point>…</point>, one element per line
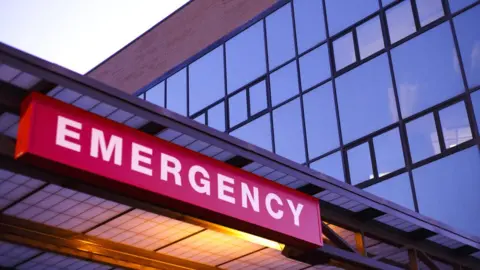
<point>378,94</point>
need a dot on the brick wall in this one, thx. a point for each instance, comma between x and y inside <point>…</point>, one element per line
<point>185,33</point>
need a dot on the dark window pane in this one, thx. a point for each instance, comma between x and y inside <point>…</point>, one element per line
<point>207,83</point>
<point>422,138</point>
<point>400,21</point>
<point>456,5</point>
<point>281,46</point>
<point>258,97</point>
<point>396,189</point>
<point>447,190</point>
<point>330,165</point>
<point>238,108</point>
<point>388,152</point>
<point>469,43</point>
<point>426,70</point>
<point>343,13</point>
<point>455,125</point>
<point>344,51</point>
<point>476,107</point>
<point>366,99</point>
<point>360,163</point>
<point>177,92</point>
<point>429,10</point>
<point>245,57</point>
<point>288,130</point>
<point>156,94</point>
<point>284,83</point>
<point>257,132</point>
<point>216,117</point>
<point>314,67</point>
<point>321,120</point>
<point>200,119</point>
<point>309,23</point>
<point>370,37</point>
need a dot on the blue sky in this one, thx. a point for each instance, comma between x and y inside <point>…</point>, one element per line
<point>78,34</point>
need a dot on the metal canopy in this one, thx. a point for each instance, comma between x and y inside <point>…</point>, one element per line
<point>362,231</point>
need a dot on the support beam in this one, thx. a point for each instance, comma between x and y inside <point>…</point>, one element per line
<point>413,260</point>
<point>360,243</point>
<point>10,97</point>
<point>427,261</point>
<point>336,239</point>
<point>77,245</point>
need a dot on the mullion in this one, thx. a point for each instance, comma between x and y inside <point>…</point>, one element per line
<point>416,16</point>
<point>226,108</point>
<point>373,159</point>
<point>355,45</point>
<point>268,86</point>
<point>438,125</point>
<point>249,112</point>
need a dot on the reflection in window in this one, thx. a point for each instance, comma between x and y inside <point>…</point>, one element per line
<point>370,37</point>
<point>314,67</point>
<point>216,117</point>
<point>177,92</point>
<point>400,21</point>
<point>206,80</point>
<point>476,107</point>
<point>258,97</point>
<point>429,10</point>
<point>447,185</point>
<point>343,13</point>
<point>469,43</point>
<point>456,5</point>
<point>156,94</point>
<point>309,23</point>
<point>257,132</point>
<point>330,165</point>
<point>396,189</point>
<point>245,57</point>
<point>422,138</point>
<point>320,120</point>
<point>426,70</point>
<point>281,46</point>
<point>284,83</point>
<point>388,152</point>
<point>455,125</point>
<point>344,51</point>
<point>366,99</point>
<point>360,164</point>
<point>288,130</point>
<point>238,108</point>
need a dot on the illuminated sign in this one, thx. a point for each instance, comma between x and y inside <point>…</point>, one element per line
<point>85,146</point>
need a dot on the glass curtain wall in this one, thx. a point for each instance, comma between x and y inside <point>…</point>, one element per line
<point>382,94</point>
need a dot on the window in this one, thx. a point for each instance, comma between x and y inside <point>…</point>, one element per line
<point>396,189</point>
<point>400,21</point>
<point>206,84</point>
<point>388,152</point>
<point>456,5</point>
<point>343,13</point>
<point>455,126</point>
<point>216,117</point>
<point>366,100</point>
<point>360,164</point>
<point>245,57</point>
<point>370,37</point>
<point>201,119</point>
<point>320,120</point>
<point>386,2</point>
<point>314,67</point>
<point>258,97</point>
<point>177,92</point>
<point>476,107</point>
<point>257,132</point>
<point>330,165</point>
<point>426,70</point>
<point>429,10</point>
<point>156,94</point>
<point>309,23</point>
<point>344,51</point>
<point>288,130</point>
<point>447,190</point>
<point>281,45</point>
<point>469,43</point>
<point>284,83</point>
<point>238,108</point>
<point>422,138</point>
